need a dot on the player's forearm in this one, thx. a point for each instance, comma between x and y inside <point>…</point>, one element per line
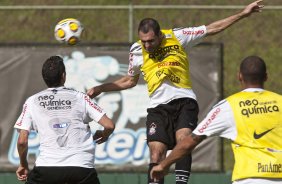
<point>22,146</point>
<point>186,146</point>
<point>221,25</point>
<point>118,85</point>
<point>22,150</point>
<point>114,86</point>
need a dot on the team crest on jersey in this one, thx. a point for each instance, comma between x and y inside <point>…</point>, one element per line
<point>152,129</point>
<point>54,91</point>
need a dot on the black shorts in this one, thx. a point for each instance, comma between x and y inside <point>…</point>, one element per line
<point>165,119</point>
<point>62,175</point>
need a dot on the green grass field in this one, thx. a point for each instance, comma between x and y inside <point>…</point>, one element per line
<point>256,35</point>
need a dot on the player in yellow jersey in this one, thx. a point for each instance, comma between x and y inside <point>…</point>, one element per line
<point>161,56</point>
<point>252,120</point>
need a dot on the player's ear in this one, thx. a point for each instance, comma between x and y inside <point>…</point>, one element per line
<point>160,34</point>
<point>240,76</point>
<point>63,79</point>
<point>265,77</point>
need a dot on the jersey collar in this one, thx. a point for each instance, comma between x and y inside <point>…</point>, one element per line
<point>253,89</point>
<point>57,88</point>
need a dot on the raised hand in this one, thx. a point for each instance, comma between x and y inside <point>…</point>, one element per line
<point>253,7</point>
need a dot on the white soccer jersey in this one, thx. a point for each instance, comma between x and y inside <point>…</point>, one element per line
<point>220,122</point>
<point>61,117</point>
<point>188,37</point>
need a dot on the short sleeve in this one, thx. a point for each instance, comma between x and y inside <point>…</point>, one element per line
<point>190,36</point>
<point>135,59</point>
<point>219,122</point>
<point>93,111</point>
<point>24,121</point>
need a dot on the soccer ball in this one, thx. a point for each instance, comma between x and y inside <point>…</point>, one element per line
<point>68,31</point>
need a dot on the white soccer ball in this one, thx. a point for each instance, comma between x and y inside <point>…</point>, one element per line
<point>68,31</point>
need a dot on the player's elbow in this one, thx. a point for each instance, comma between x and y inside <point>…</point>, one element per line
<point>110,127</point>
<point>22,143</point>
<point>131,82</point>
<point>23,138</point>
<point>213,29</point>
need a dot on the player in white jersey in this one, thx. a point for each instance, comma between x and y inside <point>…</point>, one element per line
<point>252,120</point>
<point>160,55</point>
<point>61,118</point>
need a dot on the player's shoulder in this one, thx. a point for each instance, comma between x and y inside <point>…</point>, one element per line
<point>40,94</point>
<point>221,103</point>
<point>73,91</point>
<point>178,29</point>
<point>273,93</point>
<point>136,48</point>
<point>199,30</point>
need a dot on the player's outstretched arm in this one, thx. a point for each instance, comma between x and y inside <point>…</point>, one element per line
<point>221,25</point>
<point>118,85</point>
<point>182,148</point>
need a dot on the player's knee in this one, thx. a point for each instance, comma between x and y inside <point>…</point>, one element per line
<point>157,156</point>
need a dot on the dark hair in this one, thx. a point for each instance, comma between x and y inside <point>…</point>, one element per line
<point>253,69</point>
<point>148,24</point>
<point>52,71</point>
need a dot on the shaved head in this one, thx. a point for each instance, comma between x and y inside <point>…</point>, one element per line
<point>253,70</point>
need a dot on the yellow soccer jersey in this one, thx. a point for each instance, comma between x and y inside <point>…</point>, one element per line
<point>257,147</point>
<point>168,62</point>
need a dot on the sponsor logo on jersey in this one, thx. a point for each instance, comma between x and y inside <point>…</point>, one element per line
<point>170,76</point>
<point>269,168</point>
<point>258,136</point>
<point>193,32</point>
<point>209,120</point>
<point>163,64</point>
<point>92,104</point>
<point>130,67</point>
<point>164,52</point>
<point>48,102</point>
<point>252,107</point>
<point>60,125</point>
<point>23,114</point>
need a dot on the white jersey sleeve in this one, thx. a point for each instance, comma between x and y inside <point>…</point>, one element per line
<point>219,122</point>
<point>189,37</point>
<point>24,121</point>
<point>93,111</point>
<point>135,59</point>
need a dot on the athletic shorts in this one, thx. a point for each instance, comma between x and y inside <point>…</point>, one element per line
<point>62,175</point>
<point>165,119</point>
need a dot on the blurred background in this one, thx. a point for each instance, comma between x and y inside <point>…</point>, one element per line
<point>29,23</point>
